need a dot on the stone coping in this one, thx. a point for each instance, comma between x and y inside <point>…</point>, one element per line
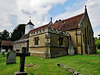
<point>68,69</point>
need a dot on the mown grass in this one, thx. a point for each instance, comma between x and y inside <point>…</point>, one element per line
<point>85,64</point>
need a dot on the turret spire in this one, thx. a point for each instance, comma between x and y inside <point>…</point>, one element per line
<point>29,26</point>
<point>51,19</point>
<point>50,22</point>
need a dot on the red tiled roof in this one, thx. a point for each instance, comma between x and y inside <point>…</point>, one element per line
<point>64,25</point>
<point>38,28</point>
<point>27,35</point>
<point>68,24</point>
<point>6,43</point>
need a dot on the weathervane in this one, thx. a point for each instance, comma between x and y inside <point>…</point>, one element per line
<point>30,18</point>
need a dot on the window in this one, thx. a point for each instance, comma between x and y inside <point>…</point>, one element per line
<point>61,41</point>
<point>85,37</point>
<point>34,32</point>
<point>36,40</point>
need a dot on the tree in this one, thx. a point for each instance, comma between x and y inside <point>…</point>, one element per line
<point>97,42</point>
<point>99,46</point>
<point>0,39</point>
<point>4,35</point>
<point>18,32</point>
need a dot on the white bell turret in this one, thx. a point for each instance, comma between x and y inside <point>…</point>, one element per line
<point>29,26</point>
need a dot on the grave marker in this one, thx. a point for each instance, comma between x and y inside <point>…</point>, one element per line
<point>22,61</point>
<point>71,48</point>
<point>11,57</point>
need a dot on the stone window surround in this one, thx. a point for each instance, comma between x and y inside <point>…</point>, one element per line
<point>36,41</point>
<point>62,41</point>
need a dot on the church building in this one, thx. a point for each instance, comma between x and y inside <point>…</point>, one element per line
<point>70,36</point>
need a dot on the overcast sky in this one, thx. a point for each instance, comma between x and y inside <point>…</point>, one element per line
<point>14,12</point>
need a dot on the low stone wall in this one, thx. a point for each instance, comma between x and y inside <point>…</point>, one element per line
<point>69,69</point>
<point>37,51</point>
<point>57,52</point>
<point>37,54</point>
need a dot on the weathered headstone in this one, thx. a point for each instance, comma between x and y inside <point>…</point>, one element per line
<point>71,48</point>
<point>9,50</point>
<point>22,61</point>
<point>11,57</point>
<point>3,53</point>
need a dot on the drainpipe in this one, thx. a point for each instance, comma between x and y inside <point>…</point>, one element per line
<point>81,45</point>
<point>76,42</point>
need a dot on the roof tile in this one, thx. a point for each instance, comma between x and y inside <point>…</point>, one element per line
<point>64,25</point>
<point>6,43</point>
<point>68,24</point>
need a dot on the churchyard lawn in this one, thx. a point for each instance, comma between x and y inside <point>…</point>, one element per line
<point>85,64</point>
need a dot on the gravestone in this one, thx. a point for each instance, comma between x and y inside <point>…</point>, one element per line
<point>22,61</point>
<point>9,50</point>
<point>71,48</point>
<point>3,53</point>
<point>11,57</point>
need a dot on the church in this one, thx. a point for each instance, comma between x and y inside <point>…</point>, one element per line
<point>64,37</point>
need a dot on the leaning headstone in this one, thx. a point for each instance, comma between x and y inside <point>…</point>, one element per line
<point>11,57</point>
<point>22,61</point>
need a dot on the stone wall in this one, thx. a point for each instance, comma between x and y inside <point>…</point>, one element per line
<point>18,46</point>
<point>54,40</point>
<point>48,46</point>
<point>83,38</point>
<point>36,51</point>
<point>79,42</point>
<point>60,51</point>
<point>55,49</point>
<point>41,40</point>
<point>87,35</point>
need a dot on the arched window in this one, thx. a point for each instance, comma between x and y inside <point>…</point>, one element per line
<point>85,37</point>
